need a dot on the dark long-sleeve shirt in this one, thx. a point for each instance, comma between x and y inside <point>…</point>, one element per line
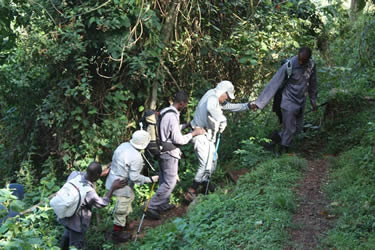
<point>294,93</point>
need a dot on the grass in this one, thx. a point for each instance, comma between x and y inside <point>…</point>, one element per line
<point>256,214</point>
<point>352,191</point>
<point>350,136</point>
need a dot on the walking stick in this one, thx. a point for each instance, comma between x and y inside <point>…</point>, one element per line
<point>148,201</point>
<point>144,212</point>
<point>217,147</point>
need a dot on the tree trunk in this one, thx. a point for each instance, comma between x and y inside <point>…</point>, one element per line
<point>166,32</point>
<point>353,9</point>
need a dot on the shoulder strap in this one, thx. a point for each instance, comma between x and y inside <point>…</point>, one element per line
<point>311,64</point>
<point>80,187</point>
<point>80,198</point>
<point>289,68</point>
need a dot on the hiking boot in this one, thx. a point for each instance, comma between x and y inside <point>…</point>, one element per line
<point>268,146</point>
<point>121,236</point>
<point>152,214</point>
<point>167,208</point>
<point>191,194</point>
<point>283,150</point>
<point>275,137</point>
<point>211,187</point>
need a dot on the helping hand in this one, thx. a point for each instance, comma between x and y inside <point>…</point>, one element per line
<point>118,183</point>
<point>198,131</point>
<point>253,106</point>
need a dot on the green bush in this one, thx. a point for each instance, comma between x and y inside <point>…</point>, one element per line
<point>36,230</point>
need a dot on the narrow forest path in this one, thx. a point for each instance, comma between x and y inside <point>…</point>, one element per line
<point>179,211</point>
<point>148,223</point>
<point>311,218</point>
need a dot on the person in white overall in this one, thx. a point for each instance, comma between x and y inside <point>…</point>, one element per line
<point>209,115</point>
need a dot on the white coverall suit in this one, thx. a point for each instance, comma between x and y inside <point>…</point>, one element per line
<point>204,145</point>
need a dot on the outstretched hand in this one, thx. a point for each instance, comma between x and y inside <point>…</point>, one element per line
<point>198,131</point>
<point>253,106</point>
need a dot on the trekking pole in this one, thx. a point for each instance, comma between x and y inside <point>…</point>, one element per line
<point>149,164</point>
<point>144,212</point>
<point>217,147</point>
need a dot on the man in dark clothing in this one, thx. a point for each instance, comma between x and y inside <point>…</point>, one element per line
<point>170,132</point>
<point>77,225</point>
<point>301,80</point>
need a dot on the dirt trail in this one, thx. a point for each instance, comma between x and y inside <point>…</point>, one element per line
<point>311,218</point>
<point>147,223</point>
<point>176,212</point>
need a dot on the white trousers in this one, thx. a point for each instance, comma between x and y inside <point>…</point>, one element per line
<point>204,150</point>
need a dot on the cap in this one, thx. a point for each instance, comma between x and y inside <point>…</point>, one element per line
<point>226,86</point>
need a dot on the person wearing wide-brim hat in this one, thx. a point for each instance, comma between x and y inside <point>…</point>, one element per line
<point>127,163</point>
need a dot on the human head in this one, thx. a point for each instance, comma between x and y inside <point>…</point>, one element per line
<point>223,98</point>
<point>225,90</point>
<point>304,55</point>
<point>140,139</point>
<point>93,171</point>
<point>180,100</point>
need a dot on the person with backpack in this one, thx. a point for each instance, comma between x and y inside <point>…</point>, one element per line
<point>127,164</point>
<point>170,133</point>
<point>77,224</point>
<point>209,115</point>
<point>296,77</point>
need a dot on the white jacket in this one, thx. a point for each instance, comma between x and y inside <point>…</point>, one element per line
<point>209,106</point>
<point>127,163</point>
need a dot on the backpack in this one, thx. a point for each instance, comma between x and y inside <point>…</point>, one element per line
<point>276,106</point>
<point>150,122</point>
<point>70,197</point>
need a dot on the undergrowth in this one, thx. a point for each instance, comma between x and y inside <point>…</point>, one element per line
<point>256,214</point>
<point>352,191</point>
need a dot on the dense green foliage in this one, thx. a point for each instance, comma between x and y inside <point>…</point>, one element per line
<point>80,75</point>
